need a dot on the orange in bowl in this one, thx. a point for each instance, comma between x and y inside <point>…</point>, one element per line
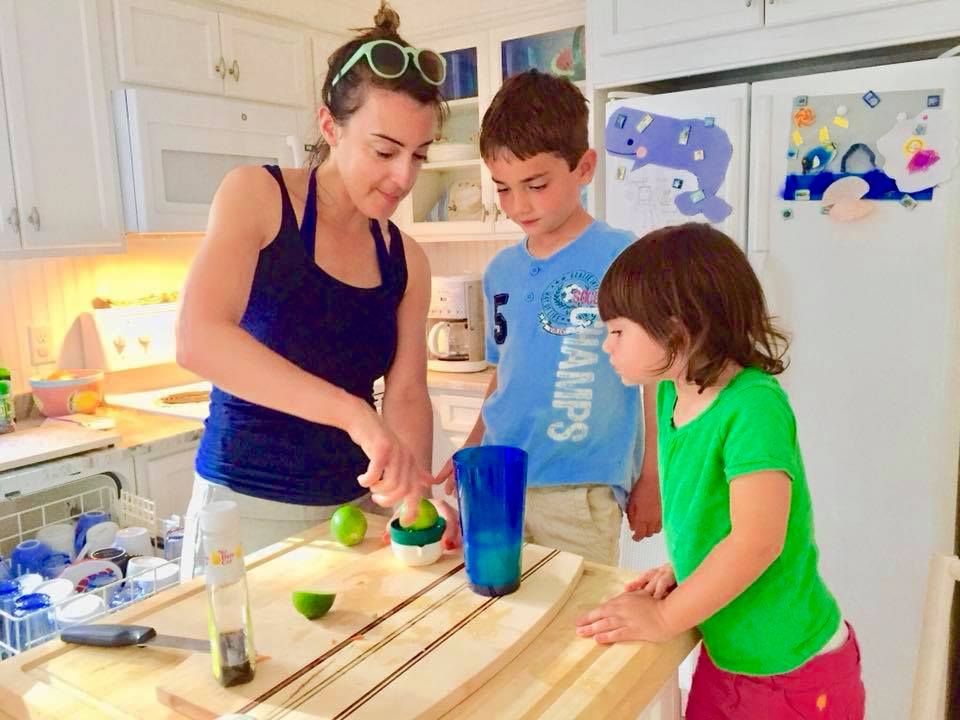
<point>68,391</point>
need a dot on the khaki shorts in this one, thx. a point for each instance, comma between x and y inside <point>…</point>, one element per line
<point>581,519</point>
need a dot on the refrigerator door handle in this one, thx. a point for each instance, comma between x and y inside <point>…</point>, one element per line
<point>758,232</point>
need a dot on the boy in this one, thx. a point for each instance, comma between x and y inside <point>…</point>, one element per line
<point>554,393</point>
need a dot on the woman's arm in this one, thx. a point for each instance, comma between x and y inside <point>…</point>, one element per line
<point>406,402</point>
<point>244,217</point>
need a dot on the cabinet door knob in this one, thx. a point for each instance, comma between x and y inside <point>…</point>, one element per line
<point>497,212</point>
<point>748,3</point>
<point>221,67</point>
<point>14,219</point>
<point>34,218</point>
<point>234,70</point>
<point>483,213</point>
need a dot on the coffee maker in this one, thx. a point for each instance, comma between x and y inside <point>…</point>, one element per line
<point>455,324</point>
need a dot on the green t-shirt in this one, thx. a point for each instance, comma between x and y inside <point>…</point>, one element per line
<point>787,615</point>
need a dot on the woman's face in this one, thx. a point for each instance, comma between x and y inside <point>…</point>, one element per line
<point>380,149</point>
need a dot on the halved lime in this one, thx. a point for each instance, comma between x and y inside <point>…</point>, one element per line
<point>348,525</point>
<point>426,516</point>
<point>312,604</point>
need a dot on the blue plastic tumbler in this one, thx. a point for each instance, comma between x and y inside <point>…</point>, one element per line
<point>491,487</point>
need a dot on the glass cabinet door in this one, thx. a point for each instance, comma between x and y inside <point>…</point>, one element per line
<point>561,52</point>
<point>450,195</point>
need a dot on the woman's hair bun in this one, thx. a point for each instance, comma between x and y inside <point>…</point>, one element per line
<point>387,18</point>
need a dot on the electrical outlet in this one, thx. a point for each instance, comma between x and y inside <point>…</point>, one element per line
<point>41,345</point>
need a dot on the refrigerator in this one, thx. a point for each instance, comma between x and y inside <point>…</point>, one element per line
<point>844,190</point>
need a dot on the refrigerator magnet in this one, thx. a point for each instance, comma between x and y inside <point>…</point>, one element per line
<point>677,183</point>
<point>801,100</point>
<point>908,202</point>
<point>684,135</point>
<point>786,213</point>
<point>697,197</point>
<point>644,122</point>
<point>621,172</point>
<point>871,99</point>
<point>709,121</point>
<point>796,137</point>
<point>841,121</point>
<point>804,117</point>
<point>933,101</point>
<point>698,155</point>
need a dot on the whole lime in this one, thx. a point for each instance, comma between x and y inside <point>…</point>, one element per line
<point>426,516</point>
<point>348,525</point>
<point>312,604</point>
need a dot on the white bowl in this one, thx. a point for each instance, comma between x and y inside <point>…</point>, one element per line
<point>81,609</point>
<point>415,555</point>
<point>448,152</point>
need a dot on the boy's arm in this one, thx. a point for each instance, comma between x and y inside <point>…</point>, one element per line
<point>643,505</point>
<point>445,475</point>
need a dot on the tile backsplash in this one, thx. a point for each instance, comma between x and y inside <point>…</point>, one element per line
<point>54,291</point>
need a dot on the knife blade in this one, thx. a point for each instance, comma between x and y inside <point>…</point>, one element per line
<point>113,635</point>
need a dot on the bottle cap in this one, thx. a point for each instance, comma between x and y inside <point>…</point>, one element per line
<point>221,516</point>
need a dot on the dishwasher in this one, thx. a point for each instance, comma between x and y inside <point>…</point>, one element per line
<point>30,503</point>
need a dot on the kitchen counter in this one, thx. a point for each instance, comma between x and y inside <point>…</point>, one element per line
<point>557,675</point>
<point>460,382</point>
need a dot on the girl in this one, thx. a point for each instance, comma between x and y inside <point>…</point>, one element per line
<point>683,306</point>
<point>303,293</point>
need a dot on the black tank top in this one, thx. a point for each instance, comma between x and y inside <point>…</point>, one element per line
<point>344,334</point>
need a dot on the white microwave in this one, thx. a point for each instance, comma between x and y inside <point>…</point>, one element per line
<point>175,148</point>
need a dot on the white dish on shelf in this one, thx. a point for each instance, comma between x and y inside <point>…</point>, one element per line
<point>449,152</point>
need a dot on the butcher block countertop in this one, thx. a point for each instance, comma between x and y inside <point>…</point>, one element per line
<point>556,675</point>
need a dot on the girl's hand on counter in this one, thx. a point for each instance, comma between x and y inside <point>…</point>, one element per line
<point>628,616</point>
<point>393,475</point>
<point>656,582</point>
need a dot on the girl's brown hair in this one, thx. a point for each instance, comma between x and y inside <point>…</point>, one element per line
<point>350,92</point>
<point>693,290</point>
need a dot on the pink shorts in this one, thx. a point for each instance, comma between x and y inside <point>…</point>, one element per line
<point>826,687</point>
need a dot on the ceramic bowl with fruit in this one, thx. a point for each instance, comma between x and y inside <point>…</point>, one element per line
<point>420,542</point>
<point>65,392</point>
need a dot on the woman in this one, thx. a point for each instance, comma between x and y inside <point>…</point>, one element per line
<point>303,293</point>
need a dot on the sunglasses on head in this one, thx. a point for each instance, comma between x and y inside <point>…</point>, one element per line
<point>389,60</point>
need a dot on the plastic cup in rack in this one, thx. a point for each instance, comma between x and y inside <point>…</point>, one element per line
<point>33,619</point>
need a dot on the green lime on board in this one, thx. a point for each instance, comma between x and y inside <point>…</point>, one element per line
<point>348,525</point>
<point>426,517</point>
<point>312,604</point>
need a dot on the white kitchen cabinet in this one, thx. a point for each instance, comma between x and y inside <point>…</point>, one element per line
<point>454,415</point>
<point>786,12</point>
<point>9,212</point>
<point>59,189</point>
<point>167,479</point>
<point>175,45</point>
<point>633,24</point>
<point>636,41</point>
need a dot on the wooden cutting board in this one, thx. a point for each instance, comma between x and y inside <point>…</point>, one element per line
<point>50,440</point>
<point>399,642</point>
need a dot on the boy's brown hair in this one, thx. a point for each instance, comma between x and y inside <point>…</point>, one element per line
<point>693,290</point>
<point>532,113</point>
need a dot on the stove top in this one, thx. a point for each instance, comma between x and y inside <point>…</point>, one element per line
<point>188,401</point>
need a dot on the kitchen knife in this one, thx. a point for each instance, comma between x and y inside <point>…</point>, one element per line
<point>107,635</point>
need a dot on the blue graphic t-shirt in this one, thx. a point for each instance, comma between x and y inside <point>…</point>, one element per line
<point>557,396</point>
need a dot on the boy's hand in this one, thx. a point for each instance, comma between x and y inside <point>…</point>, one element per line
<point>643,507</point>
<point>446,477</point>
<point>656,582</point>
<point>628,616</point>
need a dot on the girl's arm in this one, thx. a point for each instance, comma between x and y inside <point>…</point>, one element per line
<point>643,506</point>
<point>759,510</point>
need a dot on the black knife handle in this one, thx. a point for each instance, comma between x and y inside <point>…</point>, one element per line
<point>108,635</point>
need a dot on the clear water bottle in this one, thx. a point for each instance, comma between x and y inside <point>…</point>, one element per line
<point>6,402</point>
<point>228,604</point>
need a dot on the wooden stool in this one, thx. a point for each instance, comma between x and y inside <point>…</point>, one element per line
<point>930,682</point>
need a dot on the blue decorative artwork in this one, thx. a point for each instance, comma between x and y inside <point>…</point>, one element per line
<point>895,144</point>
<point>688,144</point>
<point>461,80</point>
